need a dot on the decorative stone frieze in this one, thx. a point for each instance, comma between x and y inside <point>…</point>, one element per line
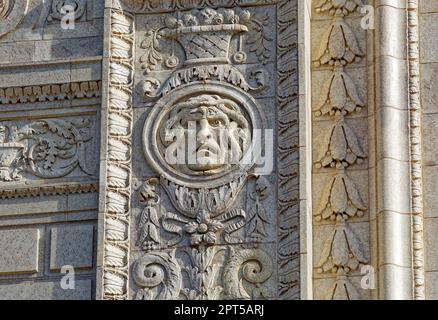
<point>202,229</point>
<point>341,203</point>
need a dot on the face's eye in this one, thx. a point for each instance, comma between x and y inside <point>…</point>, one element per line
<point>216,123</point>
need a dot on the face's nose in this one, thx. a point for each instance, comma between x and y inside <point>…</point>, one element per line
<point>204,134</point>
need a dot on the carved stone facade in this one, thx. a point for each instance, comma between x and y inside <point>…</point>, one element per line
<point>218,149</point>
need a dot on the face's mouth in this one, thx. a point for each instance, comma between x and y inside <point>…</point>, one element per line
<point>208,149</point>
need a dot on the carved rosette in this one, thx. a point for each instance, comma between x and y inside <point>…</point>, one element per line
<point>341,202</point>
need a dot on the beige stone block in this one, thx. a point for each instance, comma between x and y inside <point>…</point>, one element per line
<point>17,52</point>
<point>19,251</point>
<point>430,244</point>
<point>429,37</point>
<point>428,6</point>
<point>431,285</point>
<point>430,191</point>
<point>86,71</point>
<point>35,205</point>
<point>430,139</point>
<point>48,50</point>
<point>429,88</point>
<point>34,75</point>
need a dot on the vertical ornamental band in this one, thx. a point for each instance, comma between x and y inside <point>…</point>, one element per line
<point>115,188</point>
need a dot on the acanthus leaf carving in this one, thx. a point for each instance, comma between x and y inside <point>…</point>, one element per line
<point>259,40</point>
<point>202,274</point>
<point>152,55</point>
<point>47,149</point>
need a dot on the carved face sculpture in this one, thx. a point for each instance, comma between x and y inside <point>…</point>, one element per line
<point>214,129</point>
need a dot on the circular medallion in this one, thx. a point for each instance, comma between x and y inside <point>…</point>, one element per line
<point>201,135</point>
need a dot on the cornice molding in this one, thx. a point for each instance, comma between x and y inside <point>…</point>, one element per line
<point>51,92</point>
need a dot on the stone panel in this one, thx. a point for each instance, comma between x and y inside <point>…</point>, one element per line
<point>226,68</point>
<point>46,290</point>
<point>72,245</point>
<point>19,251</point>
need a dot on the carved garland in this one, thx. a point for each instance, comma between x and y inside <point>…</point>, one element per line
<point>342,253</point>
<point>416,147</point>
<point>119,151</point>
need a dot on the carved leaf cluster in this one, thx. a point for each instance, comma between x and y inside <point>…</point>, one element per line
<point>340,200</point>
<point>152,55</point>
<point>342,252</point>
<point>338,96</point>
<point>341,147</point>
<point>339,46</point>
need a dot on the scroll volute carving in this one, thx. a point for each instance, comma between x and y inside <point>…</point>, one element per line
<point>46,149</point>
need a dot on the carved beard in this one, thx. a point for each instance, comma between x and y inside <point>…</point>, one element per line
<point>4,8</point>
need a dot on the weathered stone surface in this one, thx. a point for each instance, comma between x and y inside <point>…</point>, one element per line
<point>47,290</point>
<point>89,120</point>
<point>20,251</point>
<point>72,245</point>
